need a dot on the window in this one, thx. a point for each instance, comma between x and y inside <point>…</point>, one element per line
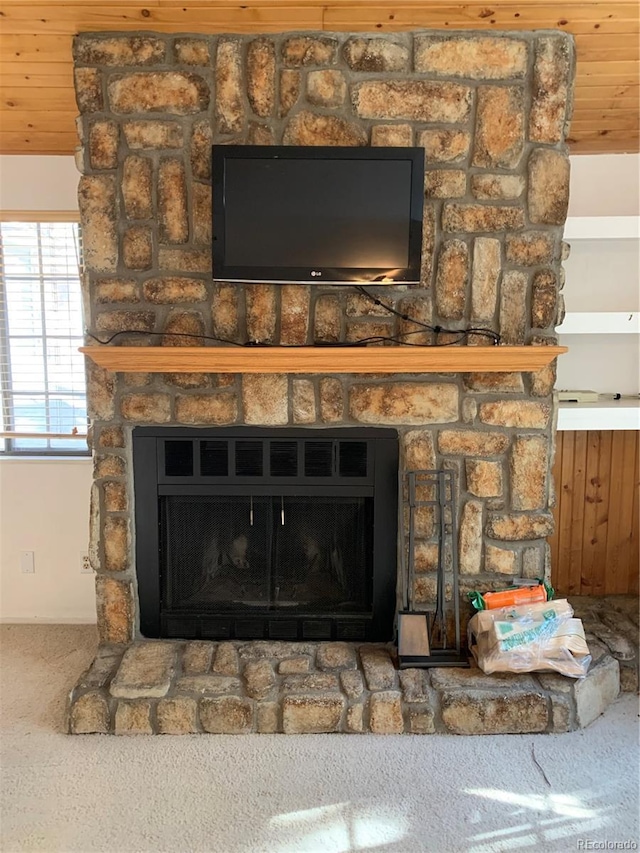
<point>42,380</point>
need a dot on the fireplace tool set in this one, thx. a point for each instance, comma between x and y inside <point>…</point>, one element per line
<point>423,635</point>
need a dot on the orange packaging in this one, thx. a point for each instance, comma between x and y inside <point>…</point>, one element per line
<point>515,597</point>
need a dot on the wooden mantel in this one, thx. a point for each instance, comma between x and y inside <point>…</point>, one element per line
<point>374,359</point>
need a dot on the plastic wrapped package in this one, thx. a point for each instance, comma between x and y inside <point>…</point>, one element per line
<point>536,637</point>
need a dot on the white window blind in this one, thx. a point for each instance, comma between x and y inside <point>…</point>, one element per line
<point>42,382</point>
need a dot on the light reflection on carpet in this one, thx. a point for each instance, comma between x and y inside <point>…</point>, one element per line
<point>339,828</point>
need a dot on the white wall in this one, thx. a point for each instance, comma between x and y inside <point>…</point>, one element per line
<point>29,182</point>
<point>602,275</point>
<point>601,184</point>
<point>44,508</point>
<point>44,503</point>
<point>605,185</point>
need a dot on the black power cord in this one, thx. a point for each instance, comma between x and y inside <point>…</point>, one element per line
<point>480,331</point>
<point>436,330</point>
<point>168,334</point>
<point>373,339</point>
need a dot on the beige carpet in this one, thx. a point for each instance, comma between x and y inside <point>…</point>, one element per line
<point>281,793</point>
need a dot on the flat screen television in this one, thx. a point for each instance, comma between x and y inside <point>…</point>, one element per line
<point>324,215</point>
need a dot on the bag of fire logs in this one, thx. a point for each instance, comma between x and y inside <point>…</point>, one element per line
<point>534,637</point>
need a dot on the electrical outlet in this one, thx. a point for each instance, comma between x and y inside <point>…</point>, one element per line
<point>27,562</point>
<point>85,565</point>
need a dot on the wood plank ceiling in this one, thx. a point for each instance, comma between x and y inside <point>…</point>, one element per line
<point>37,105</point>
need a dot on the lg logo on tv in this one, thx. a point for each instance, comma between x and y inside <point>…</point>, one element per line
<point>315,273</point>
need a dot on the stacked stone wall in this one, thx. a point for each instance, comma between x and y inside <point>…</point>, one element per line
<point>491,113</point>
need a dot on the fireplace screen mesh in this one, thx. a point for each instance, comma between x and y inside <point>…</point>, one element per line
<point>297,554</point>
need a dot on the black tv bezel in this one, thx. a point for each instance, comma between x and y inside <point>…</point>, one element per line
<point>317,275</point>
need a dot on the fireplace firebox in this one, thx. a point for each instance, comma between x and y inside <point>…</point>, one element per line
<point>251,533</point>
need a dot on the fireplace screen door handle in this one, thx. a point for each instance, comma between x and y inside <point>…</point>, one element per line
<point>282,510</point>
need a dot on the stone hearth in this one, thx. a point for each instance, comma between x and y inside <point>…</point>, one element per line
<point>163,687</point>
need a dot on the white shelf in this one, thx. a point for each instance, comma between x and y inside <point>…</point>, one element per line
<point>600,323</point>
<point>602,228</point>
<point>605,414</point>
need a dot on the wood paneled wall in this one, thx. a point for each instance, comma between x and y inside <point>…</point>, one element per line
<point>37,104</point>
<point>594,550</point>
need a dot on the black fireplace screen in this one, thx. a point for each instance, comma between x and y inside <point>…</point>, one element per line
<point>245,532</point>
<point>239,553</point>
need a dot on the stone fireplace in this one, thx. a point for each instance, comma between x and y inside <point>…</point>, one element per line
<point>491,113</point>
